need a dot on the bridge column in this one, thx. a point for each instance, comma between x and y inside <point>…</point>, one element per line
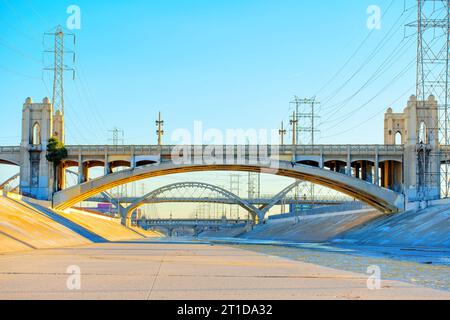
<point>349,162</point>
<point>133,158</point>
<point>366,171</point>
<point>377,169</point>
<point>321,162</point>
<point>107,167</point>
<point>357,170</point>
<point>80,169</point>
<point>61,176</point>
<point>86,172</point>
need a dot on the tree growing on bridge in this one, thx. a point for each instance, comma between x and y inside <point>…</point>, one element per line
<point>56,153</point>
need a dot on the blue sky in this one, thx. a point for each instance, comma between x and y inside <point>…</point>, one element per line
<point>230,64</point>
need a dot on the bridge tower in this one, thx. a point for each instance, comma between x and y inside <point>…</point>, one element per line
<point>419,131</point>
<point>39,124</point>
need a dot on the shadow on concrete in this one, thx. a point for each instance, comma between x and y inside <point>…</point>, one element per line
<point>68,224</point>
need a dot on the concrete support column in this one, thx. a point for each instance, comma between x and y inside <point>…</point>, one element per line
<point>358,170</point>
<point>366,171</point>
<point>377,169</point>
<point>386,174</point>
<point>107,170</point>
<point>80,169</point>
<point>349,162</point>
<point>85,172</point>
<point>321,162</point>
<point>61,176</point>
<point>133,159</point>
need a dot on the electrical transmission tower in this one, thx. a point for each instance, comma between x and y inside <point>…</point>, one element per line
<point>234,188</point>
<point>305,129</point>
<point>117,136</point>
<point>254,185</point>
<point>433,49</point>
<point>306,120</point>
<point>58,67</point>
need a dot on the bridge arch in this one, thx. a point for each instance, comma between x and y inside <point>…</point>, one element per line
<point>382,199</point>
<point>128,211</point>
<point>10,162</point>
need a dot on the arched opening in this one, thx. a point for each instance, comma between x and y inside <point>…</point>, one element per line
<point>94,169</point>
<point>119,165</point>
<point>36,137</point>
<point>423,134</point>
<point>336,166</point>
<point>398,139</point>
<point>364,170</point>
<point>391,175</point>
<point>69,172</point>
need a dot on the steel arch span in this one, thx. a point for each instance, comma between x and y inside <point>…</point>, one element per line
<point>382,199</point>
<point>127,211</point>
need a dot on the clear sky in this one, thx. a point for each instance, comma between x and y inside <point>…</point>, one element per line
<point>230,64</point>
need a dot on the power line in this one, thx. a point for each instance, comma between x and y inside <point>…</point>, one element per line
<point>395,79</point>
<point>353,55</point>
<point>387,37</point>
<point>360,124</point>
<point>385,65</point>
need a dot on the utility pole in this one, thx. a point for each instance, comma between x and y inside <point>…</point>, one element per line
<point>294,122</point>
<point>282,133</point>
<point>159,131</point>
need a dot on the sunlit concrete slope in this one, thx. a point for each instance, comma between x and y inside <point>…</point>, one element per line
<point>10,244</point>
<point>105,227</point>
<point>317,228</point>
<point>429,227</point>
<point>22,228</point>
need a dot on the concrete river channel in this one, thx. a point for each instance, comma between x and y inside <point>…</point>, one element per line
<point>427,267</point>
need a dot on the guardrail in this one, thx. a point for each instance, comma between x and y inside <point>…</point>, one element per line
<point>287,149</point>
<point>10,149</point>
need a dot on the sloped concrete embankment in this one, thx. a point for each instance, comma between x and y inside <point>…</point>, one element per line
<point>28,225</point>
<point>315,228</point>
<point>424,228</point>
<point>22,228</point>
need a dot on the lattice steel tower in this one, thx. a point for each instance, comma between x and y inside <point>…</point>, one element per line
<point>433,22</point>
<point>58,67</point>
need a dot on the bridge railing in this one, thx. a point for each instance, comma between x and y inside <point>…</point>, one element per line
<point>10,149</point>
<point>299,149</point>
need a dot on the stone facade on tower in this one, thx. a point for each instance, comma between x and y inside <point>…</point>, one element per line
<point>39,124</point>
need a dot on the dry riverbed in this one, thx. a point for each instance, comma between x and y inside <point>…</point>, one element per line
<point>145,270</point>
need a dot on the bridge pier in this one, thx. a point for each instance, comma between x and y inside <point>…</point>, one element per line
<point>39,124</point>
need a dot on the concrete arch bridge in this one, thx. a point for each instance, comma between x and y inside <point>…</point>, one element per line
<point>385,200</point>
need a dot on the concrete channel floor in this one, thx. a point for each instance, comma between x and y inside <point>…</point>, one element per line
<point>143,270</point>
